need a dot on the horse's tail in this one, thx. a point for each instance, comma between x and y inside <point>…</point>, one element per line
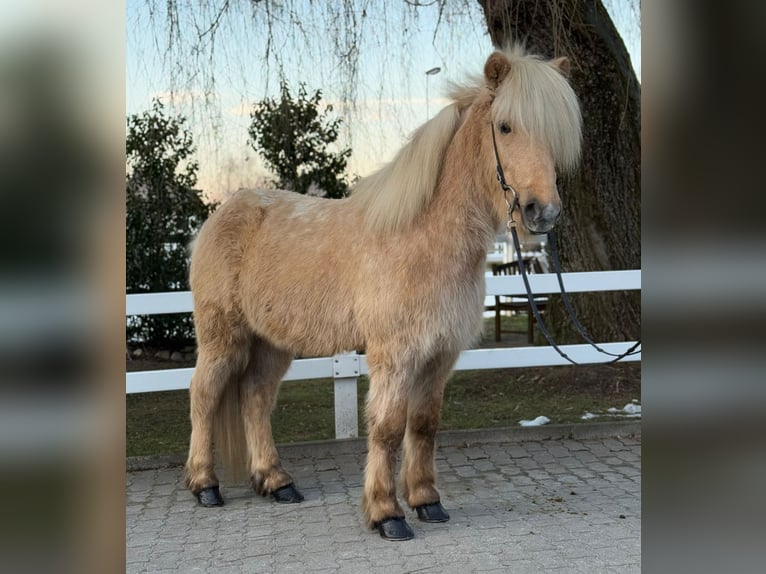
<point>229,435</point>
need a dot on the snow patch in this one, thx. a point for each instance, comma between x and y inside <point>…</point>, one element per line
<point>539,421</point>
<point>630,411</point>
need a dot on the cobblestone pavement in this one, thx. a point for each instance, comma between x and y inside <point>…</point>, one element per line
<point>569,505</point>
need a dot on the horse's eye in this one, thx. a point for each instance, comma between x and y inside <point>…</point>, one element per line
<point>505,128</point>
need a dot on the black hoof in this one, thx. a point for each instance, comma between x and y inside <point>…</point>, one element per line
<point>210,496</point>
<point>433,512</point>
<point>395,528</point>
<point>288,494</point>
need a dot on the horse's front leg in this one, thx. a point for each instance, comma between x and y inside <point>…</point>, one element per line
<point>386,421</point>
<point>418,468</point>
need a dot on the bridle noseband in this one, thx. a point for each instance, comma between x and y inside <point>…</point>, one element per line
<point>511,226</point>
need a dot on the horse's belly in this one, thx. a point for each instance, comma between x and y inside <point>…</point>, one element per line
<point>307,318</point>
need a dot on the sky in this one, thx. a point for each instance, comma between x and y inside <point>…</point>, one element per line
<point>394,43</point>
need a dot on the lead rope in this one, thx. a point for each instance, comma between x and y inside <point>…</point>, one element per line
<point>531,298</point>
<point>511,227</point>
<point>634,350</point>
<point>530,295</point>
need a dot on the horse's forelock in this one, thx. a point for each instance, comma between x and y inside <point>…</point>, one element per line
<point>536,98</point>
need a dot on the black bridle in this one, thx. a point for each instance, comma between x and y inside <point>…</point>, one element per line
<point>511,226</point>
<point>504,184</point>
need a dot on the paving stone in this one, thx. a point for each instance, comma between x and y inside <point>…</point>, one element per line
<point>515,451</point>
<point>511,503</point>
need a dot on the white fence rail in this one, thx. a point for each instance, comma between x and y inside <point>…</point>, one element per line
<point>346,368</point>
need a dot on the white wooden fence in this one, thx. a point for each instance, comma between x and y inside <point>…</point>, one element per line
<point>346,368</point>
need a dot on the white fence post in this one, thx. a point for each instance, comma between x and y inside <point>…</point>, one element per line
<point>345,369</point>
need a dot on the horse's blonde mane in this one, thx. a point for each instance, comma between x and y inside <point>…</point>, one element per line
<point>392,196</point>
<point>534,97</point>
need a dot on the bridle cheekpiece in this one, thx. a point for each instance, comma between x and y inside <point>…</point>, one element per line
<point>514,202</point>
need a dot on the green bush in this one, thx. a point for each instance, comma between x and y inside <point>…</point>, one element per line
<point>294,138</point>
<point>164,211</point>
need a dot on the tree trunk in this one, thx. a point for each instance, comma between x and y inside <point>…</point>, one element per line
<point>600,228</point>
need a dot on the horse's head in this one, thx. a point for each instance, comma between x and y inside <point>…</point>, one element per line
<point>536,120</point>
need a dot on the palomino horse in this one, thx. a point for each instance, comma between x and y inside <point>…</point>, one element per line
<point>396,269</point>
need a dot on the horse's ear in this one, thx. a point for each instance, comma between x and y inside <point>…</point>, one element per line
<point>496,69</point>
<point>563,65</point>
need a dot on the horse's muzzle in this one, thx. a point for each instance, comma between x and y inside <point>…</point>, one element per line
<point>540,218</point>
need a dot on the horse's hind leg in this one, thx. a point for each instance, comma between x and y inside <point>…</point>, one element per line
<point>418,469</point>
<point>260,385</point>
<point>221,360</point>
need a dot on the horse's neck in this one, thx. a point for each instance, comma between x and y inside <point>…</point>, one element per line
<point>460,209</point>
